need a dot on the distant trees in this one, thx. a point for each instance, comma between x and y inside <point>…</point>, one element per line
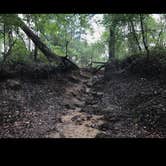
<point>63,34</point>
<point>133,33</point>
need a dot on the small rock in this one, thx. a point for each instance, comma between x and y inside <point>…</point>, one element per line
<point>93,92</point>
<point>87,90</point>
<point>76,118</point>
<point>53,135</point>
<point>77,109</point>
<point>91,102</point>
<point>108,109</point>
<point>143,79</point>
<point>99,93</point>
<point>89,84</point>
<point>155,92</point>
<point>164,109</point>
<point>95,105</point>
<point>73,102</point>
<point>13,84</point>
<point>93,125</point>
<point>160,105</point>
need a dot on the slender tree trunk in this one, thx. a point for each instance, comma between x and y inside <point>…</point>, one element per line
<point>159,37</point>
<point>132,46</point>
<point>29,41</point>
<point>7,54</point>
<point>4,38</point>
<point>143,37</point>
<point>35,53</point>
<point>66,48</point>
<point>91,59</point>
<point>36,49</point>
<point>135,35</point>
<point>112,42</point>
<point>10,37</point>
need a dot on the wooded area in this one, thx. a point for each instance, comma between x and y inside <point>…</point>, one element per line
<point>82,75</point>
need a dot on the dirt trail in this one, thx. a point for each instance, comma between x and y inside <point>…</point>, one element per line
<point>49,108</point>
<point>75,123</point>
<point>82,105</point>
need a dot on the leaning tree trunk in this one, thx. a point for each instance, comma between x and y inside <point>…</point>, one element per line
<point>46,51</point>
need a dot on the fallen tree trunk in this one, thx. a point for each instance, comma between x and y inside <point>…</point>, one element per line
<point>66,63</point>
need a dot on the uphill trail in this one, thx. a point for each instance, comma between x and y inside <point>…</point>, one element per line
<point>80,105</point>
<point>99,109</point>
<point>75,122</point>
<point>49,108</point>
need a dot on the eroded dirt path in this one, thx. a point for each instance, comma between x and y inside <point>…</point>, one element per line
<point>75,123</point>
<point>49,108</point>
<point>82,105</point>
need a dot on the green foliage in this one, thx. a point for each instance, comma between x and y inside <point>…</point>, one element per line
<point>125,43</point>
<point>19,52</point>
<point>65,31</point>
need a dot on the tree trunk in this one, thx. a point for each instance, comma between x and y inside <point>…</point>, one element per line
<point>7,54</point>
<point>4,38</point>
<point>35,53</point>
<point>132,46</point>
<point>135,35</point>
<point>143,37</point>
<point>159,38</point>
<point>66,48</point>
<point>44,49</point>
<point>10,36</point>
<point>29,41</point>
<point>112,43</point>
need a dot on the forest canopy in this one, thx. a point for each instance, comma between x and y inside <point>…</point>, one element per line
<point>82,38</point>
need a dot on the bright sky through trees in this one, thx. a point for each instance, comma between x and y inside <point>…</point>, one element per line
<point>98,29</point>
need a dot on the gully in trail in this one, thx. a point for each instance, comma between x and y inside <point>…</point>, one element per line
<point>114,109</point>
<point>76,123</point>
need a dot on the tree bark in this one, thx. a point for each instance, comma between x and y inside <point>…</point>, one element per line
<point>159,39</point>
<point>143,37</point>
<point>4,38</point>
<point>7,54</point>
<point>29,41</point>
<point>112,43</point>
<point>66,48</point>
<point>46,51</point>
<point>35,53</point>
<point>135,35</point>
<point>10,37</point>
